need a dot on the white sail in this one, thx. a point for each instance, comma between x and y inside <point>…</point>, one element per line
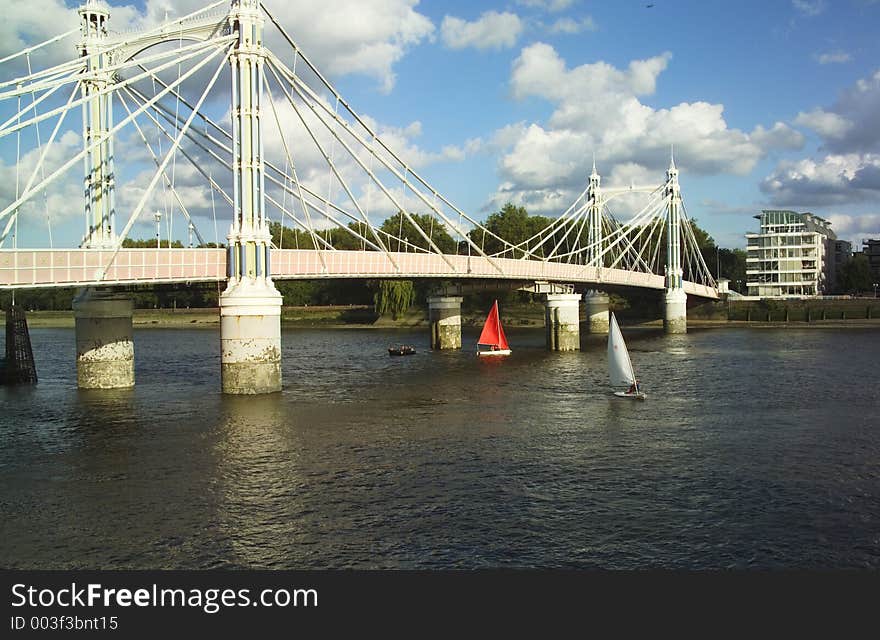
<point>620,368</point>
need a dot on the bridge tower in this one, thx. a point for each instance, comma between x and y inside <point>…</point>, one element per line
<point>104,345</point>
<point>595,302</point>
<point>100,232</point>
<point>250,307</point>
<point>675,318</point>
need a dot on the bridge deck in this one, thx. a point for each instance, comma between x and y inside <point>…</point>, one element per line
<point>23,268</point>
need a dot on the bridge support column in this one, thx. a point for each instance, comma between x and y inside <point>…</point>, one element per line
<point>596,307</point>
<point>562,321</point>
<point>250,308</point>
<point>250,338</point>
<point>104,345</point>
<point>444,313</point>
<point>675,316</point>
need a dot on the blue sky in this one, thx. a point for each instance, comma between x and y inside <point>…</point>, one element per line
<point>762,61</point>
<point>768,104</point>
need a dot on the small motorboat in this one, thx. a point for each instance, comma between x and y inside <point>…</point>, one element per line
<point>401,350</point>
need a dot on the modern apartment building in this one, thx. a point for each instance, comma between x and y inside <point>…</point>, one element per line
<point>793,254</point>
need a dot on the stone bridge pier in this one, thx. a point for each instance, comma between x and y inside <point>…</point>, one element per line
<point>444,314</point>
<point>596,307</point>
<point>562,321</point>
<point>104,341</point>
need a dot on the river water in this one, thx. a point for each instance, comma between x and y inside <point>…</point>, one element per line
<point>756,448</point>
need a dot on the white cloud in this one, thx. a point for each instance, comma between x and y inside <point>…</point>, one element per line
<point>492,30</point>
<point>834,179</point>
<point>809,7</point>
<point>850,171</point>
<point>826,124</point>
<point>570,26</point>
<point>835,57</point>
<point>552,6</point>
<point>24,24</point>
<point>780,136</point>
<point>860,107</point>
<point>597,108</point>
<point>855,227</point>
<point>343,37</point>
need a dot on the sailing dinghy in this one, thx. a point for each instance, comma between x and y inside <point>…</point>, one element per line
<point>620,368</point>
<point>492,337</point>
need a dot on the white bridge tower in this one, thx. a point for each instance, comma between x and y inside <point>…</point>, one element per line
<point>250,307</point>
<point>595,302</point>
<point>104,340</point>
<point>675,317</point>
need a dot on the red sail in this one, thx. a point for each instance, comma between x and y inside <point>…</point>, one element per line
<point>492,333</point>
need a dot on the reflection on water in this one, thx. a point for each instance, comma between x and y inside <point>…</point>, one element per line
<point>754,449</point>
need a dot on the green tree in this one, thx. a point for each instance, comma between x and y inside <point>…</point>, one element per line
<point>855,275</point>
<point>514,225</point>
<point>394,297</point>
<point>707,248</point>
<point>400,228</point>
<point>141,243</point>
<point>733,267</point>
<point>343,239</point>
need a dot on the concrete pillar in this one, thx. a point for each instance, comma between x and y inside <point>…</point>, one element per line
<point>250,337</point>
<point>444,314</point>
<point>596,307</point>
<point>104,345</point>
<point>562,321</point>
<point>675,316</point>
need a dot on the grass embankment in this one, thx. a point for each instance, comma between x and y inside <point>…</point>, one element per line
<point>141,318</point>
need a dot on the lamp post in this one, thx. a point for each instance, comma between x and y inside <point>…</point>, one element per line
<point>158,218</point>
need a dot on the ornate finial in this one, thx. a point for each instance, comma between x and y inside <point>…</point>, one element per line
<point>594,176</point>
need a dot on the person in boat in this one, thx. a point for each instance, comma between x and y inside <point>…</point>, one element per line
<point>634,387</point>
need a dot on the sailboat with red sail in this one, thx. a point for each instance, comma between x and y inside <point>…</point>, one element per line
<point>492,341</point>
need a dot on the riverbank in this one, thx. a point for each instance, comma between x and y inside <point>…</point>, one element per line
<point>325,317</point>
<point>363,317</point>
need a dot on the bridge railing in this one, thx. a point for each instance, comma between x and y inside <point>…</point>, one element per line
<point>83,267</point>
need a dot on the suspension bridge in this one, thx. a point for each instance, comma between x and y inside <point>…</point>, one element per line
<point>219,120</point>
